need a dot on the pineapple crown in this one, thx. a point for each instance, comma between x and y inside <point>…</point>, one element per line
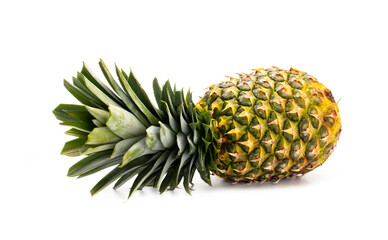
<point>119,126</point>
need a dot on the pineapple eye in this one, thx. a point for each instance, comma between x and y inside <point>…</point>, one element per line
<point>243,86</point>
<point>267,142</point>
<point>260,110</point>
<point>330,117</point>
<point>329,148</point>
<point>281,89</point>
<point>264,82</point>
<point>293,71</point>
<point>255,154</point>
<point>238,166</point>
<point>286,131</point>
<point>273,123</point>
<point>315,95</point>
<point>295,147</point>
<point>304,129</point>
<point>227,94</point>
<point>329,120</point>
<point>259,94</point>
<point>276,104</point>
<point>313,114</point>
<point>297,165</point>
<point>291,113</point>
<point>279,150</point>
<point>299,99</point>
<point>324,134</point>
<point>255,128</point>
<point>212,97</point>
<point>280,168</point>
<point>268,164</point>
<point>311,151</point>
<point>295,83</point>
<point>225,84</point>
<point>276,76</point>
<point>244,99</point>
<point>310,79</point>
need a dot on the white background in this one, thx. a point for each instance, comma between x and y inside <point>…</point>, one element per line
<point>342,43</point>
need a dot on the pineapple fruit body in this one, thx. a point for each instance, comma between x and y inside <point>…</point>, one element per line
<point>267,125</point>
<point>271,124</point>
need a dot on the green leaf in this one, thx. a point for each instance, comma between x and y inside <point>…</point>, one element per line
<point>131,104</point>
<point>193,147</point>
<point>83,126</point>
<point>72,112</point>
<point>89,163</point>
<point>182,142</point>
<point>79,82</point>
<point>192,170</point>
<point>100,94</point>
<point>61,115</point>
<point>206,144</point>
<point>98,123</point>
<point>149,181</point>
<point>183,160</point>
<point>123,73</point>
<point>166,166</point>
<point>191,112</point>
<point>123,146</point>
<point>140,93</point>
<point>77,133</point>
<point>167,136</point>
<point>186,183</point>
<point>137,150</point>
<point>202,169</point>
<point>126,177</point>
<point>188,177</point>
<point>157,92</point>
<point>108,179</point>
<point>102,88</point>
<point>184,126</point>
<point>184,103</point>
<point>171,120</point>
<point>158,160</point>
<point>153,138</point>
<point>112,162</point>
<point>168,96</point>
<point>109,77</point>
<point>89,150</point>
<point>124,124</point>
<point>126,99</point>
<point>71,148</point>
<point>167,181</point>
<point>79,112</point>
<point>116,173</point>
<point>79,95</point>
<point>99,114</point>
<point>175,177</point>
<point>197,134</point>
<point>102,135</point>
<point>178,99</point>
<point>143,108</point>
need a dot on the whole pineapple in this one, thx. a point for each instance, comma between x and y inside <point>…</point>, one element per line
<point>267,125</point>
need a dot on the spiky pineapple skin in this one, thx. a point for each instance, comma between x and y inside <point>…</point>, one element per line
<point>270,124</point>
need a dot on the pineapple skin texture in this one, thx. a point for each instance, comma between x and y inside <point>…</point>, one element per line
<point>271,124</point>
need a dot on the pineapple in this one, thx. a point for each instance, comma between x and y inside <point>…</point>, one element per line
<point>267,125</point>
